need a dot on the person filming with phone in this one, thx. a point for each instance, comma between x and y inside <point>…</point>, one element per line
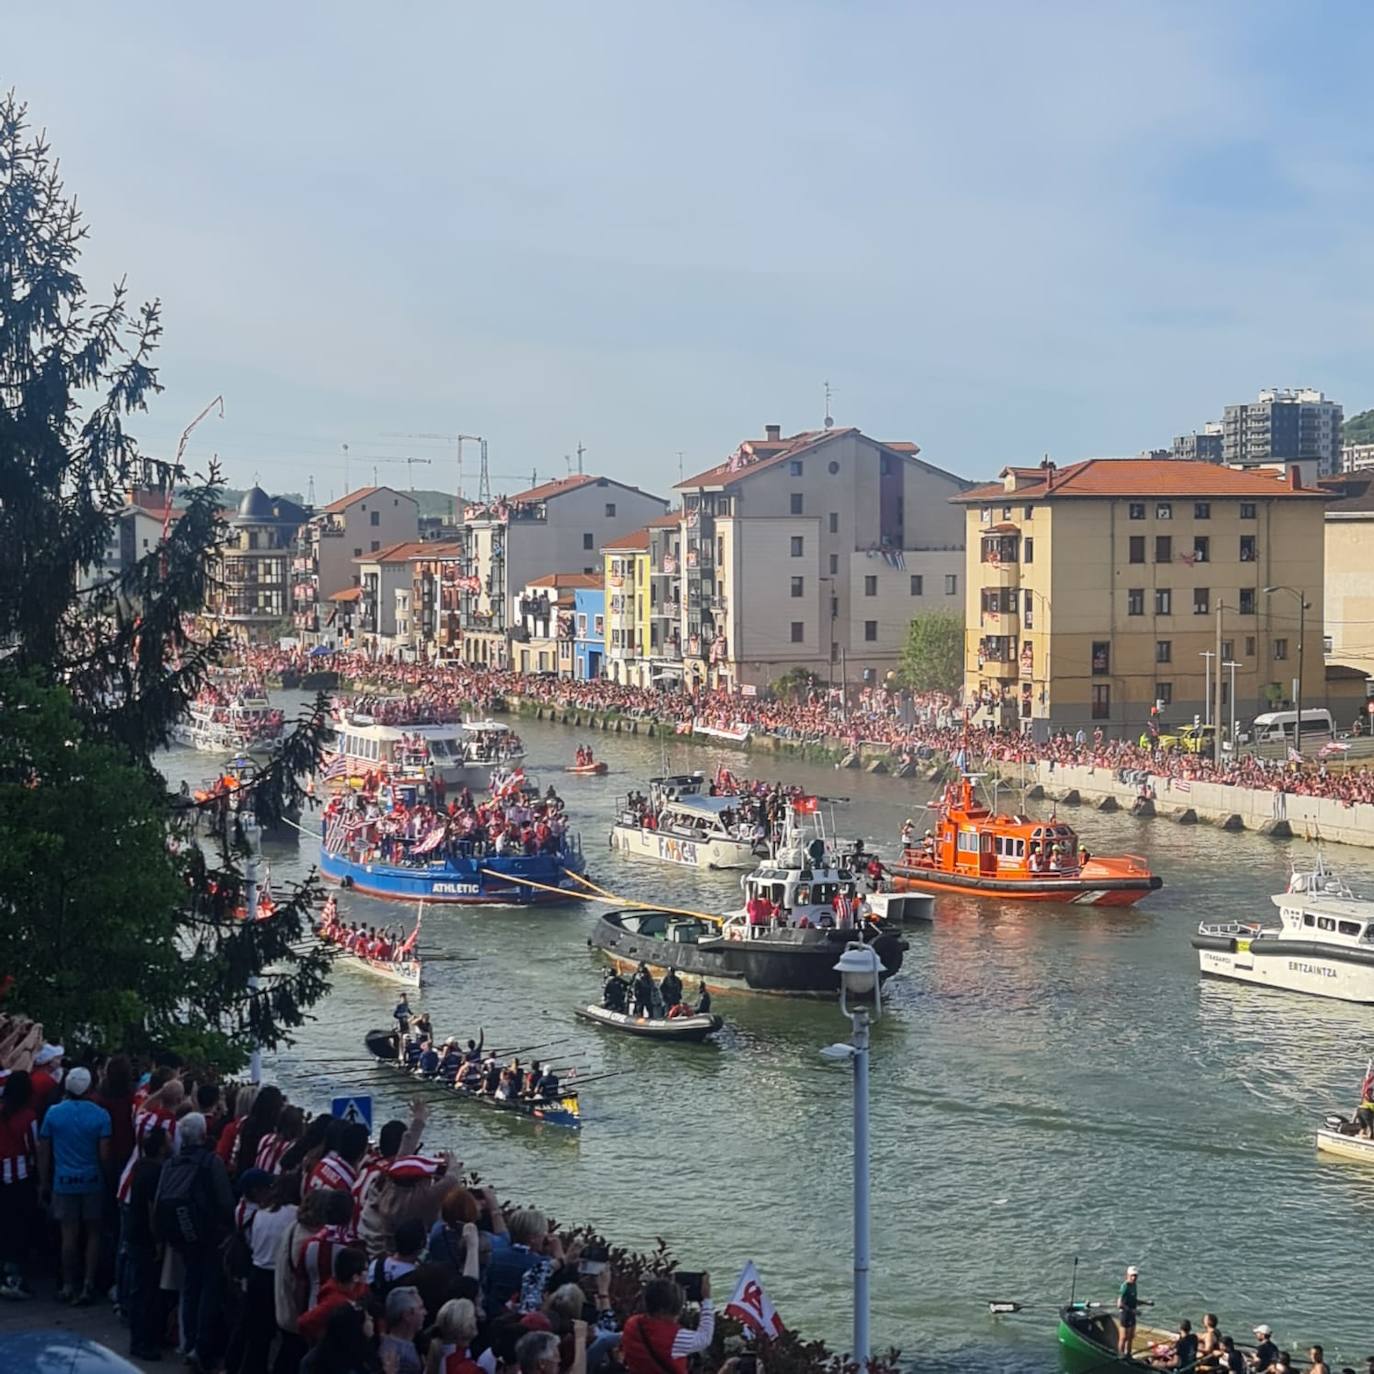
<point>654,1341</point>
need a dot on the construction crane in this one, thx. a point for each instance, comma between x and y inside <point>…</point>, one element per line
<point>410,467</point>
<point>484,474</point>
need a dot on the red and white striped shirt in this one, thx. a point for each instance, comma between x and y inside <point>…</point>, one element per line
<point>271,1148</point>
<point>332,1172</point>
<point>18,1155</point>
<point>243,1215</point>
<point>314,1260</point>
<point>144,1121</point>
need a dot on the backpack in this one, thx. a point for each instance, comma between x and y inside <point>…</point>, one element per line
<point>181,1214</point>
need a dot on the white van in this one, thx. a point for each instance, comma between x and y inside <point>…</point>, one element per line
<point>1276,727</point>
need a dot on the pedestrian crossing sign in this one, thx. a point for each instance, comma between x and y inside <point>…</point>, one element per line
<point>353,1109</point>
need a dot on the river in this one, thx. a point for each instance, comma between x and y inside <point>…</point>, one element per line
<point>1048,1082</point>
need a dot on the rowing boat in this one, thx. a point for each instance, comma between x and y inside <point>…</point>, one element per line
<point>564,1111</point>
<point>1088,1334</point>
<point>406,972</point>
<point>586,770</point>
<point>685,1028</point>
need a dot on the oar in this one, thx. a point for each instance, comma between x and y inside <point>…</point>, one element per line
<point>1003,1306</point>
<point>525,1049</point>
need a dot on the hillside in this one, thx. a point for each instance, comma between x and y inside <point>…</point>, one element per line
<point>1359,429</point>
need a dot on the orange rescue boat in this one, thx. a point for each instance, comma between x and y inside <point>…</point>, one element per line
<point>973,850</point>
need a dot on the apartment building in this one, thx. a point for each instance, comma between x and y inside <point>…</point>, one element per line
<point>627,609</point>
<point>250,587</point>
<point>562,524</point>
<point>665,599</point>
<point>324,559</point>
<point>1288,425</point>
<point>1093,592</point>
<point>542,639</point>
<point>589,631</point>
<point>1202,446</point>
<point>386,581</point>
<point>135,532</point>
<point>814,550</point>
<point>1350,574</point>
<point>1357,457</point>
<point>438,583</point>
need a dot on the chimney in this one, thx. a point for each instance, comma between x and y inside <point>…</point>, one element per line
<point>1295,478</point>
<point>773,433</point>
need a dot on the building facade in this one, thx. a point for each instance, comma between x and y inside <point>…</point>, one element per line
<point>386,580</point>
<point>626,577</point>
<point>589,632</point>
<point>1093,592</point>
<point>1204,447</point>
<point>814,551</point>
<point>1357,457</point>
<point>665,599</point>
<point>1350,574</point>
<point>542,638</point>
<point>1291,425</point>
<point>437,580</point>
<point>250,583</point>
<point>325,557</point>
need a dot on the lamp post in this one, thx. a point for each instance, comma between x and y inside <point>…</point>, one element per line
<point>1208,655</point>
<point>250,906</point>
<point>1297,691</point>
<point>1231,736</point>
<point>861,1000</point>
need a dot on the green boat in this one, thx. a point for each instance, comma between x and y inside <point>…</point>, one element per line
<point>1088,1334</point>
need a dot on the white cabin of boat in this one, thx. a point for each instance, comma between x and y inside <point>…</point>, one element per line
<point>490,743</point>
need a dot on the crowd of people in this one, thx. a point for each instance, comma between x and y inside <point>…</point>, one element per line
<point>911,727</point>
<point>386,946</point>
<point>236,1229</point>
<point>470,1067</point>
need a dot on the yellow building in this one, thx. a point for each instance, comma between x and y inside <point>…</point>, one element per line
<point>627,609</point>
<point>1350,574</point>
<point>1099,592</point>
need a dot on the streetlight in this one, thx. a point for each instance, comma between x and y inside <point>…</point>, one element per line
<point>1232,665</point>
<point>860,972</point>
<point>1303,604</point>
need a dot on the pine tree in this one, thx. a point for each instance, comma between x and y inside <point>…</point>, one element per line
<point>119,661</point>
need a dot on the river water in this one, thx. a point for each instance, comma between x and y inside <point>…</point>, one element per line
<point>1048,1082</point>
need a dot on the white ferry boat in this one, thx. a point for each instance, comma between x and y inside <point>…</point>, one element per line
<point>680,824</point>
<point>229,725</point>
<point>456,752</point>
<point>1323,944</point>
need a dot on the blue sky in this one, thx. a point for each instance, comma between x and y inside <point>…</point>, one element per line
<point>998,229</point>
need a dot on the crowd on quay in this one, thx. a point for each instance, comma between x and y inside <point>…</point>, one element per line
<point>236,1229</point>
<point>912,727</point>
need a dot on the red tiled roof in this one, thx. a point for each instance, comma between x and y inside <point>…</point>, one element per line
<point>348,594</point>
<point>639,539</point>
<point>765,453</point>
<point>670,521</point>
<point>545,490</point>
<point>394,553</point>
<point>1108,477</point>
<point>344,502</point>
<point>566,579</point>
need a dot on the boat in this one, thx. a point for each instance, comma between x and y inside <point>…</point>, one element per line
<point>564,1111</point>
<point>230,719</point>
<point>230,794</point>
<point>453,753</point>
<point>687,827</point>
<point>1088,1337</point>
<point>687,1028</point>
<point>587,770</point>
<point>1323,944</point>
<point>973,850</point>
<point>1341,1137</point>
<point>405,972</point>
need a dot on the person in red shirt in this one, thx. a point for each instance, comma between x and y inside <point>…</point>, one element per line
<point>654,1342</point>
<point>347,1286</point>
<point>46,1075</point>
<point>18,1181</point>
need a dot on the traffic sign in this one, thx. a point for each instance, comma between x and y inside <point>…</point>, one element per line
<point>353,1109</point>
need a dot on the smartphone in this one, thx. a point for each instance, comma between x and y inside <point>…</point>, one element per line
<point>690,1283</point>
<point>591,1266</point>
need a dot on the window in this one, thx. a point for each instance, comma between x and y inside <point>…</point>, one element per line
<point>799,586</point>
<point>1102,701</point>
<point>1102,657</point>
<point>1028,615</point>
<point>610,510</point>
<point>1164,651</point>
<point>1164,511</point>
<point>1247,548</point>
<point>1006,512</point>
<point>1280,648</point>
<point>795,502</point>
<point>918,585</point>
<point>587,541</point>
<point>1164,601</point>
<point>798,631</point>
<point>795,467</point>
<point>1228,650</point>
<point>834,564</point>
<point>1202,510</point>
<point>871,585</point>
<point>374,518</point>
<point>1135,601</point>
<point>1164,549</point>
<point>834,522</point>
<point>985,515</point>
<point>1028,511</point>
<point>1137,510</point>
<point>1247,510</point>
<point>582,624</point>
<point>357,553</point>
<point>1137,548</point>
<point>798,546</point>
<point>1247,601</point>
<point>599,625</point>
<point>870,630</point>
<point>1249,646</point>
<point>832,467</point>
<point>1201,604</point>
<point>1028,550</point>
<point>1202,547</point>
<point>1164,693</point>
<point>376,544</point>
<point>951,584</point>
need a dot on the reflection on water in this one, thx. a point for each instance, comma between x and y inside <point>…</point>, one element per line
<point>1047,1082</point>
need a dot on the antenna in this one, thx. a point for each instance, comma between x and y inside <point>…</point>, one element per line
<point>310,491</point>
<point>679,465</point>
<point>580,451</point>
<point>348,486</point>
<point>829,418</point>
<point>567,463</point>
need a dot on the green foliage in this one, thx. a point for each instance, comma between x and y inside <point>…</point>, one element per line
<point>125,930</point>
<point>796,684</point>
<point>933,655</point>
<point>1359,429</point>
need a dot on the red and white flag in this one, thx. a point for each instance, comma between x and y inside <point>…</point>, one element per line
<point>751,1305</point>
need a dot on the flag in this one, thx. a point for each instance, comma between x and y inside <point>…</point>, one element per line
<point>751,1305</point>
<point>1293,755</point>
<point>806,805</point>
<point>1367,1086</point>
<point>1182,785</point>
<point>338,768</point>
<point>1331,748</point>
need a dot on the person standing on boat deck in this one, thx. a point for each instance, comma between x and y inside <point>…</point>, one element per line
<point>402,1015</point>
<point>643,988</point>
<point>1127,1305</point>
<point>671,988</point>
<point>1266,1352</point>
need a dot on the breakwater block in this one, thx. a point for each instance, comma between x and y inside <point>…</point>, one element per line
<point>1071,798</point>
<point>850,760</point>
<point>539,713</point>
<point>1142,806</point>
<point>1231,822</point>
<point>1186,817</point>
<point>905,770</point>
<point>1278,830</point>
<point>877,766</point>
<point>1036,793</point>
<point>1109,804</point>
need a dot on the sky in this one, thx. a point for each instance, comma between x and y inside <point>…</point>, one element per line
<point>998,230</point>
